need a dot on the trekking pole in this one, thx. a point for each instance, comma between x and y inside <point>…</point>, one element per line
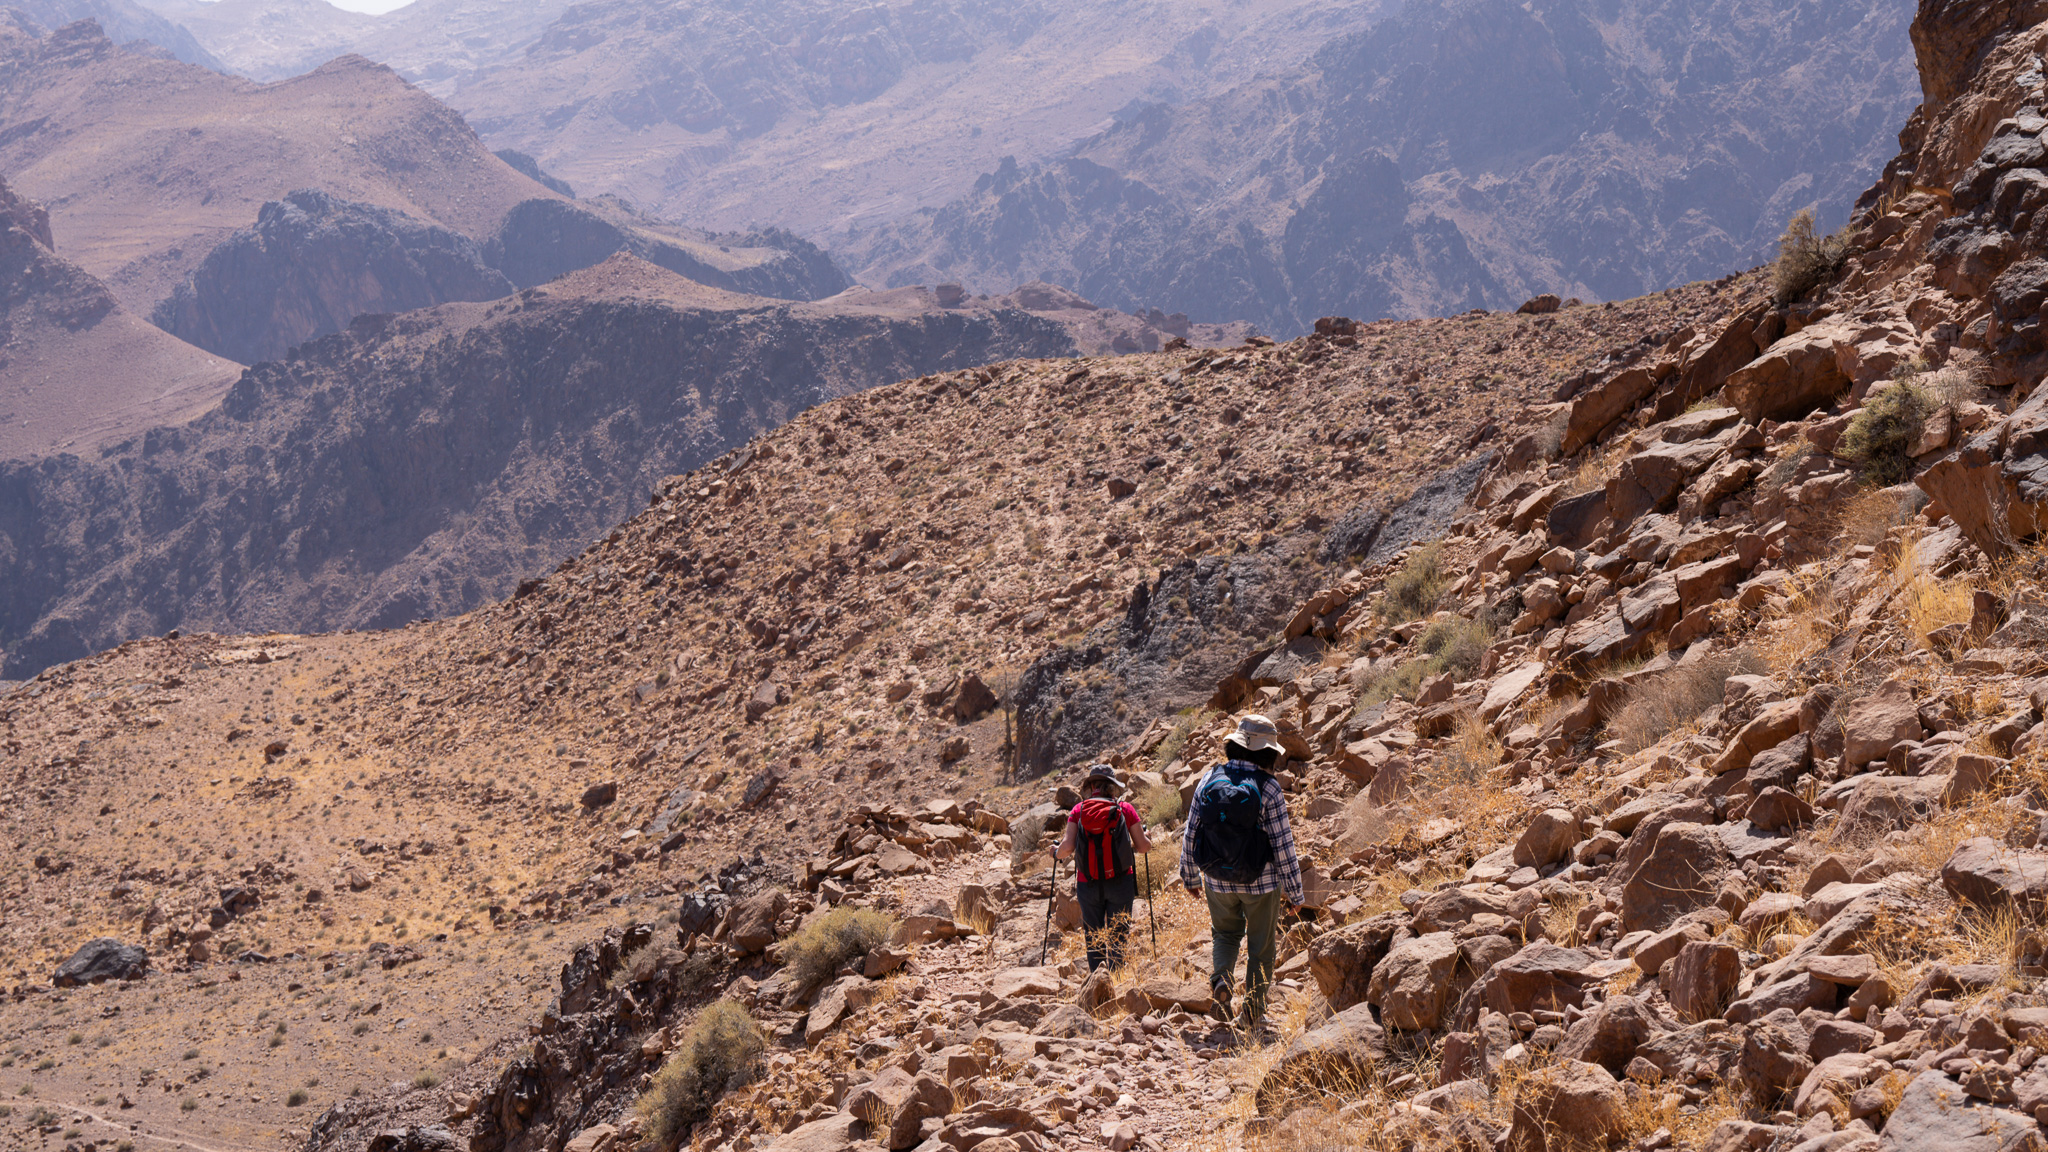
<point>1052,897</point>
<point>1151,913</point>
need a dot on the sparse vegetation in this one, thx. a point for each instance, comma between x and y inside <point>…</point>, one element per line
<point>1670,700</point>
<point>1453,645</point>
<point>1807,261</point>
<point>817,949</point>
<point>1415,587</point>
<point>720,1052</point>
<point>1881,432</point>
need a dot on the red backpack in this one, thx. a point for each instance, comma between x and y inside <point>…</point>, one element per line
<point>1103,841</point>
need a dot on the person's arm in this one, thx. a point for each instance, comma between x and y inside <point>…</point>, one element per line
<point>1139,840</point>
<point>1065,847</point>
<point>1191,876</point>
<point>1273,815</point>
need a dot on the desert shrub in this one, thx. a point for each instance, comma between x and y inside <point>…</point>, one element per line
<point>1881,431</point>
<point>822,945</point>
<point>1415,587</point>
<point>718,1053</point>
<point>645,962</point>
<point>1807,261</point>
<point>1666,702</point>
<point>1454,646</point>
<point>1157,805</point>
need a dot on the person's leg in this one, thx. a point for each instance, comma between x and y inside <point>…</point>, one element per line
<point>1226,932</point>
<point>1262,921</point>
<point>1094,918</point>
<point>1120,896</point>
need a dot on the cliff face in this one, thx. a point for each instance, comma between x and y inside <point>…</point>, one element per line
<point>422,464</point>
<point>75,367</point>
<point>313,263</point>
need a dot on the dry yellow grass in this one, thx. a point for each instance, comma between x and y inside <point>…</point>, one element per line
<point>1788,636</point>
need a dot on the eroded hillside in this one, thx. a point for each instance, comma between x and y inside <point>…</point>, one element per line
<point>808,617</point>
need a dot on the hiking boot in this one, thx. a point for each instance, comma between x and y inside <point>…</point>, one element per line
<point>1219,1001</point>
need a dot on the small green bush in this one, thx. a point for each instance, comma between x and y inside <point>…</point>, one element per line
<point>1415,587</point>
<point>1158,805</point>
<point>717,1054</point>
<point>821,946</point>
<point>1454,646</point>
<point>1881,431</point>
<point>1807,261</point>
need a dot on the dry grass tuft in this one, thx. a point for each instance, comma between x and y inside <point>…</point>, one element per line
<point>1412,591</point>
<point>817,949</point>
<point>1672,700</point>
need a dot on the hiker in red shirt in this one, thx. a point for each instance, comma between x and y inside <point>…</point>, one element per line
<point>1105,833</point>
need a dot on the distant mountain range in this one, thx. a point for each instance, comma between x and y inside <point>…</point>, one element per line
<point>1269,161</point>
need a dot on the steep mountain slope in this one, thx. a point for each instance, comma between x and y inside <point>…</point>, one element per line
<point>147,165</point>
<point>126,22</point>
<point>808,115</point>
<point>422,464</point>
<point>313,263</point>
<point>1461,154</point>
<point>75,367</point>
<point>859,560</point>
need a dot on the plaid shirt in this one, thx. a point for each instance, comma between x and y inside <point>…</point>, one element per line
<point>1283,872</point>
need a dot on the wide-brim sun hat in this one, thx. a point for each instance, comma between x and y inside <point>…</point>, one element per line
<point>1256,733</point>
<point>1103,772</point>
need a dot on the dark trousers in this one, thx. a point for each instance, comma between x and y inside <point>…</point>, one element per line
<point>1106,918</point>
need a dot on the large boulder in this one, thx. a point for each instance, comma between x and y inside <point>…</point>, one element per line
<point>1681,874</point>
<point>1344,1050</point>
<point>1569,1105</point>
<point>100,960</point>
<point>1935,1113</point>
<point>1879,722</point>
<point>1701,978</point>
<point>1793,377</point>
<point>1342,962</point>
<point>1995,486</point>
<point>1412,983</point>
<point>1988,874</point>
<point>895,1103</point>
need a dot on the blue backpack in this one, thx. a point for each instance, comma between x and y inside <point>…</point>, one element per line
<point>1230,843</point>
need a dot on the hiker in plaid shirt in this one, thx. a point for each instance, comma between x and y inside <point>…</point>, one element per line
<point>1246,912</point>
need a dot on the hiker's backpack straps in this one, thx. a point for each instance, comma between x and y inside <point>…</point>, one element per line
<point>1103,841</point>
<point>1231,844</point>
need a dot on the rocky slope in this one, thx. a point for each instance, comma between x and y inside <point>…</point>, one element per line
<point>126,23</point>
<point>76,368</point>
<point>836,580</point>
<point>1685,793</point>
<point>1675,784</point>
<point>149,164</point>
<point>422,464</point>
<point>313,263</point>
